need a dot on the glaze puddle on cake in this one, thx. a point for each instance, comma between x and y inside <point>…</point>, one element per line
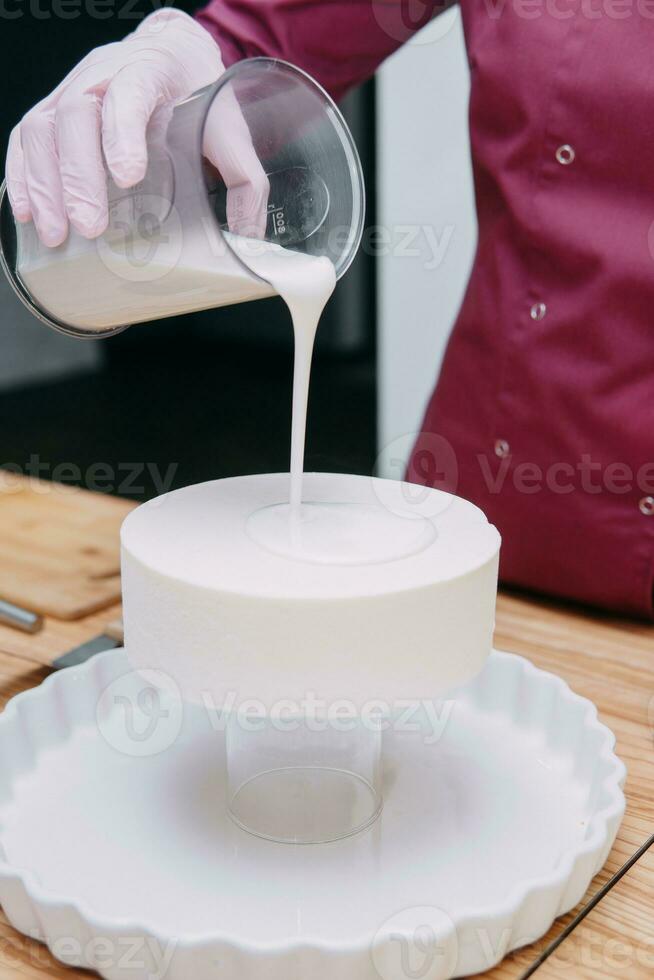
<point>339,533</point>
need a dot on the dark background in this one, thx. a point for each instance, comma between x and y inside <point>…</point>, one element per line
<point>208,394</point>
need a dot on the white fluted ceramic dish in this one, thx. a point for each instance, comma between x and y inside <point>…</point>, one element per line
<point>117,852</point>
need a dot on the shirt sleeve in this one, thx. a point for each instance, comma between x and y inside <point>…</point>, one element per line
<point>339,42</point>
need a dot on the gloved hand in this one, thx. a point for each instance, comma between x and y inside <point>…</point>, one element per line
<point>55,169</point>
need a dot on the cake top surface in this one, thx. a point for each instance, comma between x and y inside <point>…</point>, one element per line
<point>358,536</point>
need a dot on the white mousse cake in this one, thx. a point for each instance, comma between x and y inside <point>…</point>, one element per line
<point>380,590</point>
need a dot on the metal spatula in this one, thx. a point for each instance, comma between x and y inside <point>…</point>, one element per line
<point>111,637</point>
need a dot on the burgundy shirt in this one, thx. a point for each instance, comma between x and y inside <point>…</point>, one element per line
<point>544,410</point>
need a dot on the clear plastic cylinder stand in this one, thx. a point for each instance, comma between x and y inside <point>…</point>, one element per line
<point>303,778</point>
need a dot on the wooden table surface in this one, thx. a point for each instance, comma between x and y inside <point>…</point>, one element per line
<point>609,660</point>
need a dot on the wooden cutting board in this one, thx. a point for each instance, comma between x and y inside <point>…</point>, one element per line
<point>59,547</point>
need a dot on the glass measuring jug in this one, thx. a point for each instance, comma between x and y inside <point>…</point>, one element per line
<point>190,235</point>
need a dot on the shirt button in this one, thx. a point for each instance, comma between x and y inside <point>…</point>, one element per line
<point>647,506</point>
<point>502,449</point>
<point>565,154</point>
<point>538,311</point>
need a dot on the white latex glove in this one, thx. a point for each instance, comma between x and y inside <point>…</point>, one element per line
<point>55,168</point>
